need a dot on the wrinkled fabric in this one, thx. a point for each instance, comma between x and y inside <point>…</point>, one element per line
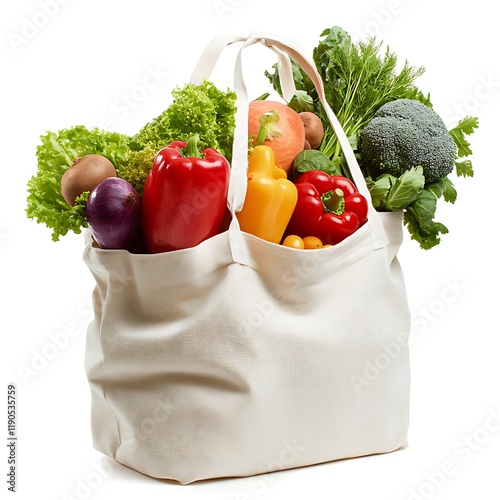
<point>202,367</point>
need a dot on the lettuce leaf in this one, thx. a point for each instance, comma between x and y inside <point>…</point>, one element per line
<point>196,109</point>
<point>55,155</point>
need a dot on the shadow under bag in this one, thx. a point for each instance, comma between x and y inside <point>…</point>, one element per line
<point>240,356</point>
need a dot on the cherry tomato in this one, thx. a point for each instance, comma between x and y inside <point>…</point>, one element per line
<point>311,242</point>
<point>293,241</point>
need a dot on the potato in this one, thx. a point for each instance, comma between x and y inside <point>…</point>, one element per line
<point>313,127</point>
<point>84,175</point>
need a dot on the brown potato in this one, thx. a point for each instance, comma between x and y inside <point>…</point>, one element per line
<point>313,127</point>
<point>84,175</point>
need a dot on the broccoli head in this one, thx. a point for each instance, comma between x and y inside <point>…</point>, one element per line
<point>404,134</point>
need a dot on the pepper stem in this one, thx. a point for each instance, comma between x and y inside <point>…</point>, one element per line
<point>268,129</point>
<point>334,202</point>
<point>192,150</point>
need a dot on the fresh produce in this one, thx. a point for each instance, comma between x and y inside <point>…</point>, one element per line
<point>312,242</point>
<point>307,243</point>
<point>313,128</point>
<point>393,194</point>
<point>113,214</point>
<point>284,132</point>
<point>328,207</point>
<point>55,154</point>
<point>270,198</point>
<point>357,81</point>
<point>185,196</point>
<point>84,175</point>
<point>359,78</point>
<point>293,241</point>
<point>203,108</point>
<point>404,149</point>
<point>312,159</point>
<point>405,134</point>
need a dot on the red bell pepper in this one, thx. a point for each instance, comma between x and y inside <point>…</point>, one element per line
<point>328,207</point>
<point>185,196</point>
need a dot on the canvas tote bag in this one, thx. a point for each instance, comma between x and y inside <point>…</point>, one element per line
<point>238,356</point>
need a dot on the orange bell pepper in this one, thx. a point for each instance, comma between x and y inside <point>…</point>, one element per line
<point>270,198</point>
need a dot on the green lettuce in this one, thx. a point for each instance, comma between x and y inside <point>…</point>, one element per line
<point>55,155</point>
<point>201,110</point>
<point>196,109</point>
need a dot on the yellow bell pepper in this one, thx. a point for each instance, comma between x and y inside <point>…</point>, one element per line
<point>270,198</point>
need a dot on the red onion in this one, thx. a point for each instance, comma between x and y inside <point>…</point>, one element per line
<point>113,214</point>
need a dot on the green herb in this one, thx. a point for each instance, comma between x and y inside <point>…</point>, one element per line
<point>466,126</point>
<point>358,78</point>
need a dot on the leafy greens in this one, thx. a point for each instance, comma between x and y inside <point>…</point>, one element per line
<point>202,109</point>
<point>358,78</point>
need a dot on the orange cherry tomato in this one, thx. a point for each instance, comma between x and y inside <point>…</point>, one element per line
<point>312,242</point>
<point>293,241</point>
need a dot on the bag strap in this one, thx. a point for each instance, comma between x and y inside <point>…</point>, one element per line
<point>285,49</point>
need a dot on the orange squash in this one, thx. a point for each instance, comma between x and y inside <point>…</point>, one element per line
<point>288,142</point>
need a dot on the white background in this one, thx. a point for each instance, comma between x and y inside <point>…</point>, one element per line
<point>74,65</point>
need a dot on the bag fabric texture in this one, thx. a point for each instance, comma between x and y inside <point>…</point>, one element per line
<point>238,356</point>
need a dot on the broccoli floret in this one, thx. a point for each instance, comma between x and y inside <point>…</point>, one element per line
<point>405,134</point>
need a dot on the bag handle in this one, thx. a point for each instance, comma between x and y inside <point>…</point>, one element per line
<point>285,49</point>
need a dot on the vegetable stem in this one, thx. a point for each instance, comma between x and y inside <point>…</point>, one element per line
<point>334,202</point>
<point>268,129</point>
<point>192,150</point>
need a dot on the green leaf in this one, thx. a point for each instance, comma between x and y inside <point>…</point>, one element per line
<point>312,159</point>
<point>464,168</point>
<point>405,189</point>
<point>379,188</point>
<point>443,188</point>
<point>302,101</point>
<point>466,126</point>
<point>419,220</point>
